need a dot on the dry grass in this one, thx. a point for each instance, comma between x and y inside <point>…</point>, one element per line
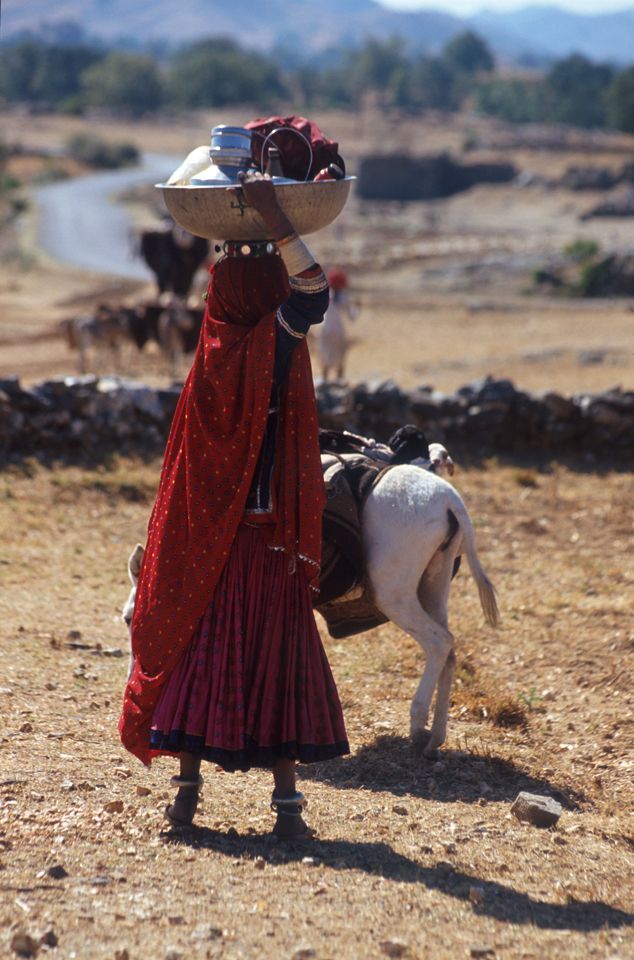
<point>411,851</point>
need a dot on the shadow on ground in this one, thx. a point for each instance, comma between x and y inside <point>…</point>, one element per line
<point>394,765</point>
<point>379,859</point>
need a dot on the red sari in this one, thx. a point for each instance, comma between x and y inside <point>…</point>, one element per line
<point>209,462</point>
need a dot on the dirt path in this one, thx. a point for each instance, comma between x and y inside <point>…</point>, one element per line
<point>413,859</point>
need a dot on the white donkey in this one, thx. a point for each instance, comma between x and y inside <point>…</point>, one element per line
<point>414,526</point>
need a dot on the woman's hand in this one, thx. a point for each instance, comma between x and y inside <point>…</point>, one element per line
<point>258,191</point>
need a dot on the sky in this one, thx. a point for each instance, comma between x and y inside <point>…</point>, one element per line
<point>472,6</point>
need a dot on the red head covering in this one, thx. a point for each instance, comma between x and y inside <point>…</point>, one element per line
<point>337,279</point>
<point>209,462</point>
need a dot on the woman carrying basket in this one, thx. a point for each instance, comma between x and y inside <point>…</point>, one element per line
<point>228,664</point>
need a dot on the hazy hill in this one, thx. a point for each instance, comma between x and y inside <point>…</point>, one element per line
<point>607,37</point>
<point>308,28</point>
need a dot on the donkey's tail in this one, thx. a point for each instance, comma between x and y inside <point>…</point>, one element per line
<point>486,589</point>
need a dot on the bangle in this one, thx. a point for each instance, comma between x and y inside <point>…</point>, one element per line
<point>296,256</point>
<point>285,240</point>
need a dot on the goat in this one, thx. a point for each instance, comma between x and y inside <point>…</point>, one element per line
<point>414,526</point>
<point>105,330</point>
<point>178,330</point>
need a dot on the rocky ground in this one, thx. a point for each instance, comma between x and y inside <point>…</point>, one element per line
<point>413,858</point>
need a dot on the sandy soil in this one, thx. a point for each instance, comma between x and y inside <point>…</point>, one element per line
<point>413,859</point>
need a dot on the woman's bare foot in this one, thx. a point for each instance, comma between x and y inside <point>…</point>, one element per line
<point>295,828</point>
<point>290,825</point>
<point>181,813</point>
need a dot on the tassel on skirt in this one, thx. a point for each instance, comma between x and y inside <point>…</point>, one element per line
<point>254,685</point>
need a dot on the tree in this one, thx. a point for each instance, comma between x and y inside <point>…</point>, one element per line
<point>216,72</point>
<point>56,75</point>
<point>434,85</point>
<point>620,101</point>
<point>127,83</point>
<point>513,99</point>
<point>467,53</point>
<point>35,72</point>
<point>377,66</point>
<point>576,91</point>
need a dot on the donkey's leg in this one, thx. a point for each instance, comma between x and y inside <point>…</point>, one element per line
<point>433,596</point>
<point>438,647</point>
<point>437,644</point>
<point>441,709</point>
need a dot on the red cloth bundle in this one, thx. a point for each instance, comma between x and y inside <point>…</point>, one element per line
<point>293,149</point>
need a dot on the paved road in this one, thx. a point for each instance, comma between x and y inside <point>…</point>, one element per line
<point>80,224</point>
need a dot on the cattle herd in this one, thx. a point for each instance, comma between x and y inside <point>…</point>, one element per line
<point>167,322</point>
<point>170,321</point>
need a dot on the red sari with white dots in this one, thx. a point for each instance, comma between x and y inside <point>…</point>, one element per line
<point>196,537</point>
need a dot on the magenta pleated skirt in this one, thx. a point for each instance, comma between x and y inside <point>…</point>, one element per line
<point>254,685</point>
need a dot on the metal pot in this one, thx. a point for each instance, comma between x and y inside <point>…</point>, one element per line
<point>230,152</point>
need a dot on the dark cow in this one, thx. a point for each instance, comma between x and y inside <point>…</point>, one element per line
<point>170,323</point>
<point>174,256</point>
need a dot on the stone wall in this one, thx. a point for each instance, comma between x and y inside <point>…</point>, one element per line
<point>403,177</point>
<point>87,417</point>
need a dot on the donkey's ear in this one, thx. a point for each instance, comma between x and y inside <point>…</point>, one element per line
<point>134,563</point>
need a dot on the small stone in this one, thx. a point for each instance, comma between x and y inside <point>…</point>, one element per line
<point>176,920</point>
<point>143,791</point>
<point>393,948</point>
<point>259,863</point>
<point>304,953</point>
<point>400,809</point>
<point>439,767</point>
<point>476,894</point>
<point>450,847</point>
<point>26,728</point>
<point>173,954</point>
<point>357,817</point>
<point>57,872</point>
<point>73,635</point>
<point>114,806</point>
<point>206,932</point>
<point>49,939</point>
<point>480,951</point>
<point>232,833</point>
<point>67,785</point>
<point>121,955</point>
<point>310,861</point>
<point>535,809</point>
<point>24,945</point>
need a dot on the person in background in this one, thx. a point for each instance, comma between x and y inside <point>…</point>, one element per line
<point>228,663</point>
<point>333,340</point>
